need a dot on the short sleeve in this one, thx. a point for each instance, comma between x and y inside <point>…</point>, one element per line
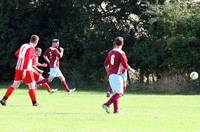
<point>46,52</point>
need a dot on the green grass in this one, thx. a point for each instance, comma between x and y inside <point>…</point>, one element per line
<point>82,112</point>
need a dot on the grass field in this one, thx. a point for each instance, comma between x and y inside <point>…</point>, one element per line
<point>82,112</point>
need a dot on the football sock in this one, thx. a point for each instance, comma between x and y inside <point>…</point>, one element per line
<point>32,95</point>
<point>45,80</point>
<point>8,93</point>
<point>116,105</point>
<point>47,87</point>
<point>112,99</point>
<point>66,87</point>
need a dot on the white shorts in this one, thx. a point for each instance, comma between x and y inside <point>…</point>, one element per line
<point>55,72</point>
<point>116,83</point>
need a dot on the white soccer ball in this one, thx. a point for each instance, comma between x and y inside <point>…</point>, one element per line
<point>194,75</point>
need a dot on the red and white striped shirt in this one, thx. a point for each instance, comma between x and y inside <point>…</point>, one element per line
<point>25,55</point>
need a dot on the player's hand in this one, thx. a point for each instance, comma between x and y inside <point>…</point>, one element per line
<point>44,65</point>
<point>61,49</point>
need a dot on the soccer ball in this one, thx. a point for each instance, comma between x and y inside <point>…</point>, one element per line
<point>194,75</point>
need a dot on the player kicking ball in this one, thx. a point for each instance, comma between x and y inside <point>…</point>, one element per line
<point>52,55</point>
<point>115,64</point>
<point>38,72</point>
<point>23,70</point>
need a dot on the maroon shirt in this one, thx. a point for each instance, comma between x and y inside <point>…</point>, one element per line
<point>117,61</point>
<point>53,56</point>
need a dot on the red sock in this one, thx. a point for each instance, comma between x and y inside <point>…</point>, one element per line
<point>43,81</point>
<point>116,105</point>
<point>66,87</point>
<point>109,89</point>
<point>112,99</point>
<point>47,87</point>
<point>8,93</point>
<point>32,95</point>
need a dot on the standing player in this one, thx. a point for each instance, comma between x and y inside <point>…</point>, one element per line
<point>52,55</point>
<point>115,64</point>
<point>38,72</point>
<point>23,70</point>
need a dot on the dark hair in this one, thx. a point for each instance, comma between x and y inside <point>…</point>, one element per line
<point>34,38</point>
<point>119,41</point>
<point>55,40</point>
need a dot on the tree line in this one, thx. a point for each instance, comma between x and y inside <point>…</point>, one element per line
<point>161,36</point>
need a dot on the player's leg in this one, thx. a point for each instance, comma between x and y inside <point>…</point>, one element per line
<point>124,77</point>
<point>32,94</point>
<point>116,105</point>
<point>29,80</point>
<point>9,91</point>
<point>45,85</point>
<point>124,87</point>
<point>16,84</point>
<point>37,78</point>
<point>116,101</point>
<point>64,83</point>
<point>116,84</point>
<point>52,75</point>
<point>113,100</point>
<point>109,91</point>
<point>45,80</point>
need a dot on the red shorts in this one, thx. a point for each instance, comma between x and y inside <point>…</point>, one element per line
<point>28,78</point>
<point>36,75</point>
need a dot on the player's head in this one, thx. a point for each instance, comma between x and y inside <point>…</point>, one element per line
<point>38,51</point>
<point>34,40</point>
<point>118,42</point>
<point>55,43</point>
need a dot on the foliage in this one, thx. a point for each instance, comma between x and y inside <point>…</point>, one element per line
<point>160,36</point>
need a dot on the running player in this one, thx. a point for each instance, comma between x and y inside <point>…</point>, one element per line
<point>124,77</point>
<point>23,70</point>
<point>38,72</point>
<point>115,64</point>
<point>52,55</point>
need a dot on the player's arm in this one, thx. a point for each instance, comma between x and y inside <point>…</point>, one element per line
<point>17,53</point>
<point>37,69</point>
<point>130,69</point>
<point>42,65</point>
<point>45,56</point>
<point>125,63</point>
<point>106,63</point>
<point>60,54</point>
<point>46,59</point>
<point>106,67</point>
